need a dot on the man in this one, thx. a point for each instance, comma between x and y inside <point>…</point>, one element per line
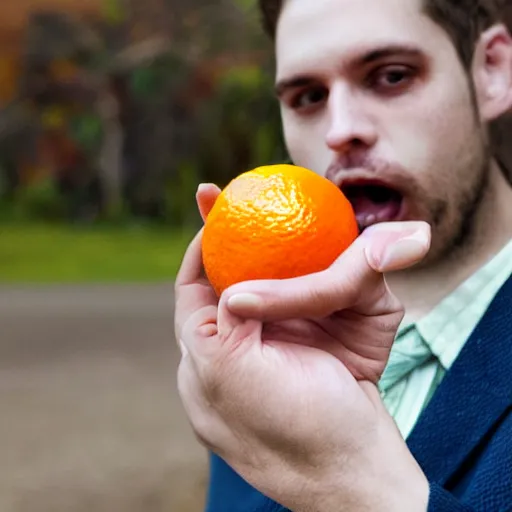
<point>391,100</point>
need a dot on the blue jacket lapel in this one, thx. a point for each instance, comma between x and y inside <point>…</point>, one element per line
<point>472,397</point>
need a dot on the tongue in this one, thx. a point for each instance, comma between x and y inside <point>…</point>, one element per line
<point>368,211</point>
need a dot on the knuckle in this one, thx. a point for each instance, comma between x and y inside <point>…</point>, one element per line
<point>221,382</point>
<point>200,380</point>
<point>203,432</point>
<point>212,384</point>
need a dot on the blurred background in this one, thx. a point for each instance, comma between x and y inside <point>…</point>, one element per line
<point>111,113</point>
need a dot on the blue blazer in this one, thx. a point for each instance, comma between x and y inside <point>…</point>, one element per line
<point>462,440</point>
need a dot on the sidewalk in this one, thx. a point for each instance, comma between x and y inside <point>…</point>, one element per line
<point>91,419</point>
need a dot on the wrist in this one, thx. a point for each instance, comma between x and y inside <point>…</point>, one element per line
<point>401,484</point>
<point>391,481</point>
<point>408,493</point>
<point>410,496</point>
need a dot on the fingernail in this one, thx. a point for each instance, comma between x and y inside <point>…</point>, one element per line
<point>244,301</point>
<point>405,250</point>
<point>201,187</point>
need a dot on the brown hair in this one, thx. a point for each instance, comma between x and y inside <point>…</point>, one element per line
<point>463,20</point>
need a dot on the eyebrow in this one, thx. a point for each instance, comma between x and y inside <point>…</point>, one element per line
<point>391,50</point>
<point>293,83</point>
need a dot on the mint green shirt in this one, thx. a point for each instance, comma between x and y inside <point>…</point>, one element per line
<point>425,350</point>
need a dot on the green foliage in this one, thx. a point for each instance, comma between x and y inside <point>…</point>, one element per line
<point>181,208</point>
<point>247,5</point>
<point>240,126</point>
<point>114,11</point>
<point>153,81</point>
<point>38,201</point>
<point>87,131</point>
<point>184,120</point>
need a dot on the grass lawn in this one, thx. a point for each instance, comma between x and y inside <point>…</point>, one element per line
<point>68,254</point>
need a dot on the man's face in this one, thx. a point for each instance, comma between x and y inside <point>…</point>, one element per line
<point>373,97</point>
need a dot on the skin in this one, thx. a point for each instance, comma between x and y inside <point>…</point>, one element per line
<point>265,352</point>
<point>412,117</point>
<point>385,117</point>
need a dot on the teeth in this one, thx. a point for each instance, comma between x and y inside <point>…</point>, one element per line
<point>381,216</point>
<point>366,220</point>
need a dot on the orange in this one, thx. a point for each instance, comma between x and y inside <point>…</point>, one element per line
<point>275,222</point>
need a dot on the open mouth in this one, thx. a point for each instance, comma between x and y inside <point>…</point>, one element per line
<point>373,202</point>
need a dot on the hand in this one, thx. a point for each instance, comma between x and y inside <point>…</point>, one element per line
<point>278,378</point>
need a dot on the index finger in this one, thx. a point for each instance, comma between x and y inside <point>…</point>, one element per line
<point>191,269</point>
<point>192,266</point>
<point>355,281</point>
<point>193,292</point>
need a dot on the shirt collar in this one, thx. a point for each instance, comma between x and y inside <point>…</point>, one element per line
<point>446,328</point>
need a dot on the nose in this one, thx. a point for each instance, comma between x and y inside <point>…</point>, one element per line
<point>349,125</point>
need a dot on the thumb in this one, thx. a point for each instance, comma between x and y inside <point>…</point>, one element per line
<point>396,245</point>
<point>354,280</point>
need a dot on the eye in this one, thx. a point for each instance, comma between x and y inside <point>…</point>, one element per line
<point>308,99</point>
<point>392,79</point>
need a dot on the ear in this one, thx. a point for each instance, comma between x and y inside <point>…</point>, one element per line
<point>492,72</point>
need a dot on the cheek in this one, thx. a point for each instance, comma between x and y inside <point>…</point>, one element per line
<point>438,139</point>
<point>306,143</point>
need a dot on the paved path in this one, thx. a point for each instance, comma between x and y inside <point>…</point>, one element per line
<point>90,416</point>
